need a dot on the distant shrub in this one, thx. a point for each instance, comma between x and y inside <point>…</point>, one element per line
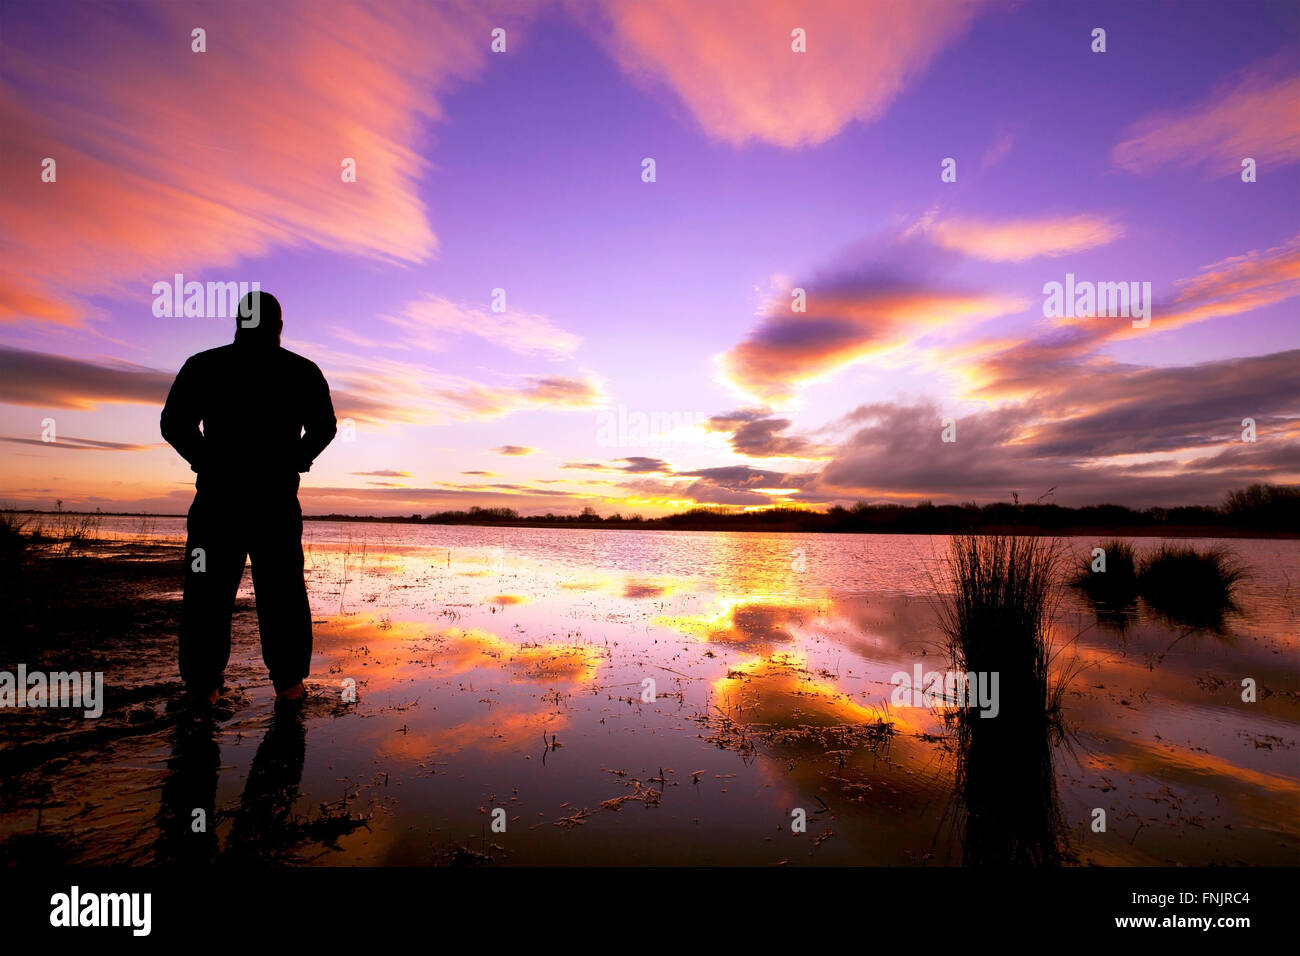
<point>1265,507</point>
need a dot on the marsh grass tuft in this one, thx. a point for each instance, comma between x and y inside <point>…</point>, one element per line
<point>13,541</point>
<point>1114,591</point>
<point>1004,599</point>
<point>997,619</point>
<point>1186,586</point>
<point>78,530</point>
<point>1191,587</point>
<point>11,530</point>
<point>1117,585</point>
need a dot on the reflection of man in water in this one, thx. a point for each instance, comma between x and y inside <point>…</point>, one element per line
<point>265,829</point>
<point>266,415</point>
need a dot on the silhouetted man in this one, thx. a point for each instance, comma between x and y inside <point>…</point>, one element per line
<point>266,415</point>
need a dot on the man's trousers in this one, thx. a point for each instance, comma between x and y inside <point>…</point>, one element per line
<point>223,531</point>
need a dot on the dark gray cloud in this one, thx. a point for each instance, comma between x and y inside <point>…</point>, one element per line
<point>1128,410</point>
<point>636,465</point>
<point>1109,414</point>
<point>52,381</point>
<point>68,443</point>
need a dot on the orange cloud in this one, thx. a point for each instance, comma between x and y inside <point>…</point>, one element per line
<point>174,161</point>
<point>1235,285</point>
<point>1018,240</point>
<point>843,327</point>
<point>731,61</point>
<point>1255,116</point>
<point>1006,369</point>
<point>1230,286</point>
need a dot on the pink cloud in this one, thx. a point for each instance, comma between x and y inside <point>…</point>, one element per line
<point>732,64</point>
<point>998,150</point>
<point>526,333</point>
<point>173,161</point>
<point>1018,240</point>
<point>1254,115</point>
<point>1072,349</point>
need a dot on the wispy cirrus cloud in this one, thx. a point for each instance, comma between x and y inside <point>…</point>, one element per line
<point>387,399</point>
<point>731,61</point>
<point>68,443</point>
<point>150,185</point>
<point>526,333</point>
<point>558,392</point>
<point>1001,370</point>
<point>1235,285</point>
<point>1019,240</point>
<point>998,150</point>
<point>1253,114</point>
<point>404,390</point>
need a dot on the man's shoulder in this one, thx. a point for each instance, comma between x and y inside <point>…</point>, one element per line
<point>208,357</point>
<point>299,363</point>
<point>227,358</point>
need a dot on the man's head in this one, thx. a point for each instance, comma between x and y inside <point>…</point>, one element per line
<point>258,320</point>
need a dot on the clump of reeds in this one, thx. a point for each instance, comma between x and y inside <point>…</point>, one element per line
<point>13,538</point>
<point>1004,592</point>
<point>1184,585</point>
<point>11,528</point>
<point>1188,586</point>
<point>76,530</point>
<point>1116,580</point>
<point>1110,581</point>
<point>1004,595</point>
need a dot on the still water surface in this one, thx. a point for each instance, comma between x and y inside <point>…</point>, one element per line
<point>510,669</point>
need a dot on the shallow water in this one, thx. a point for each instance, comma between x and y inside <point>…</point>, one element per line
<point>508,668</point>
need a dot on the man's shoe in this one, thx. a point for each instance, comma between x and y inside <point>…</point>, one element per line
<point>291,695</point>
<point>195,698</point>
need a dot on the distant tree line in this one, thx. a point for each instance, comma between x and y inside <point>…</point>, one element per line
<point>1259,508</point>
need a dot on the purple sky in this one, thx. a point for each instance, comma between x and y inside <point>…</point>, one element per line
<point>666,302</point>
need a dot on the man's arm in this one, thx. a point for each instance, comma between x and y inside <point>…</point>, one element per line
<point>319,426</point>
<point>181,416</point>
